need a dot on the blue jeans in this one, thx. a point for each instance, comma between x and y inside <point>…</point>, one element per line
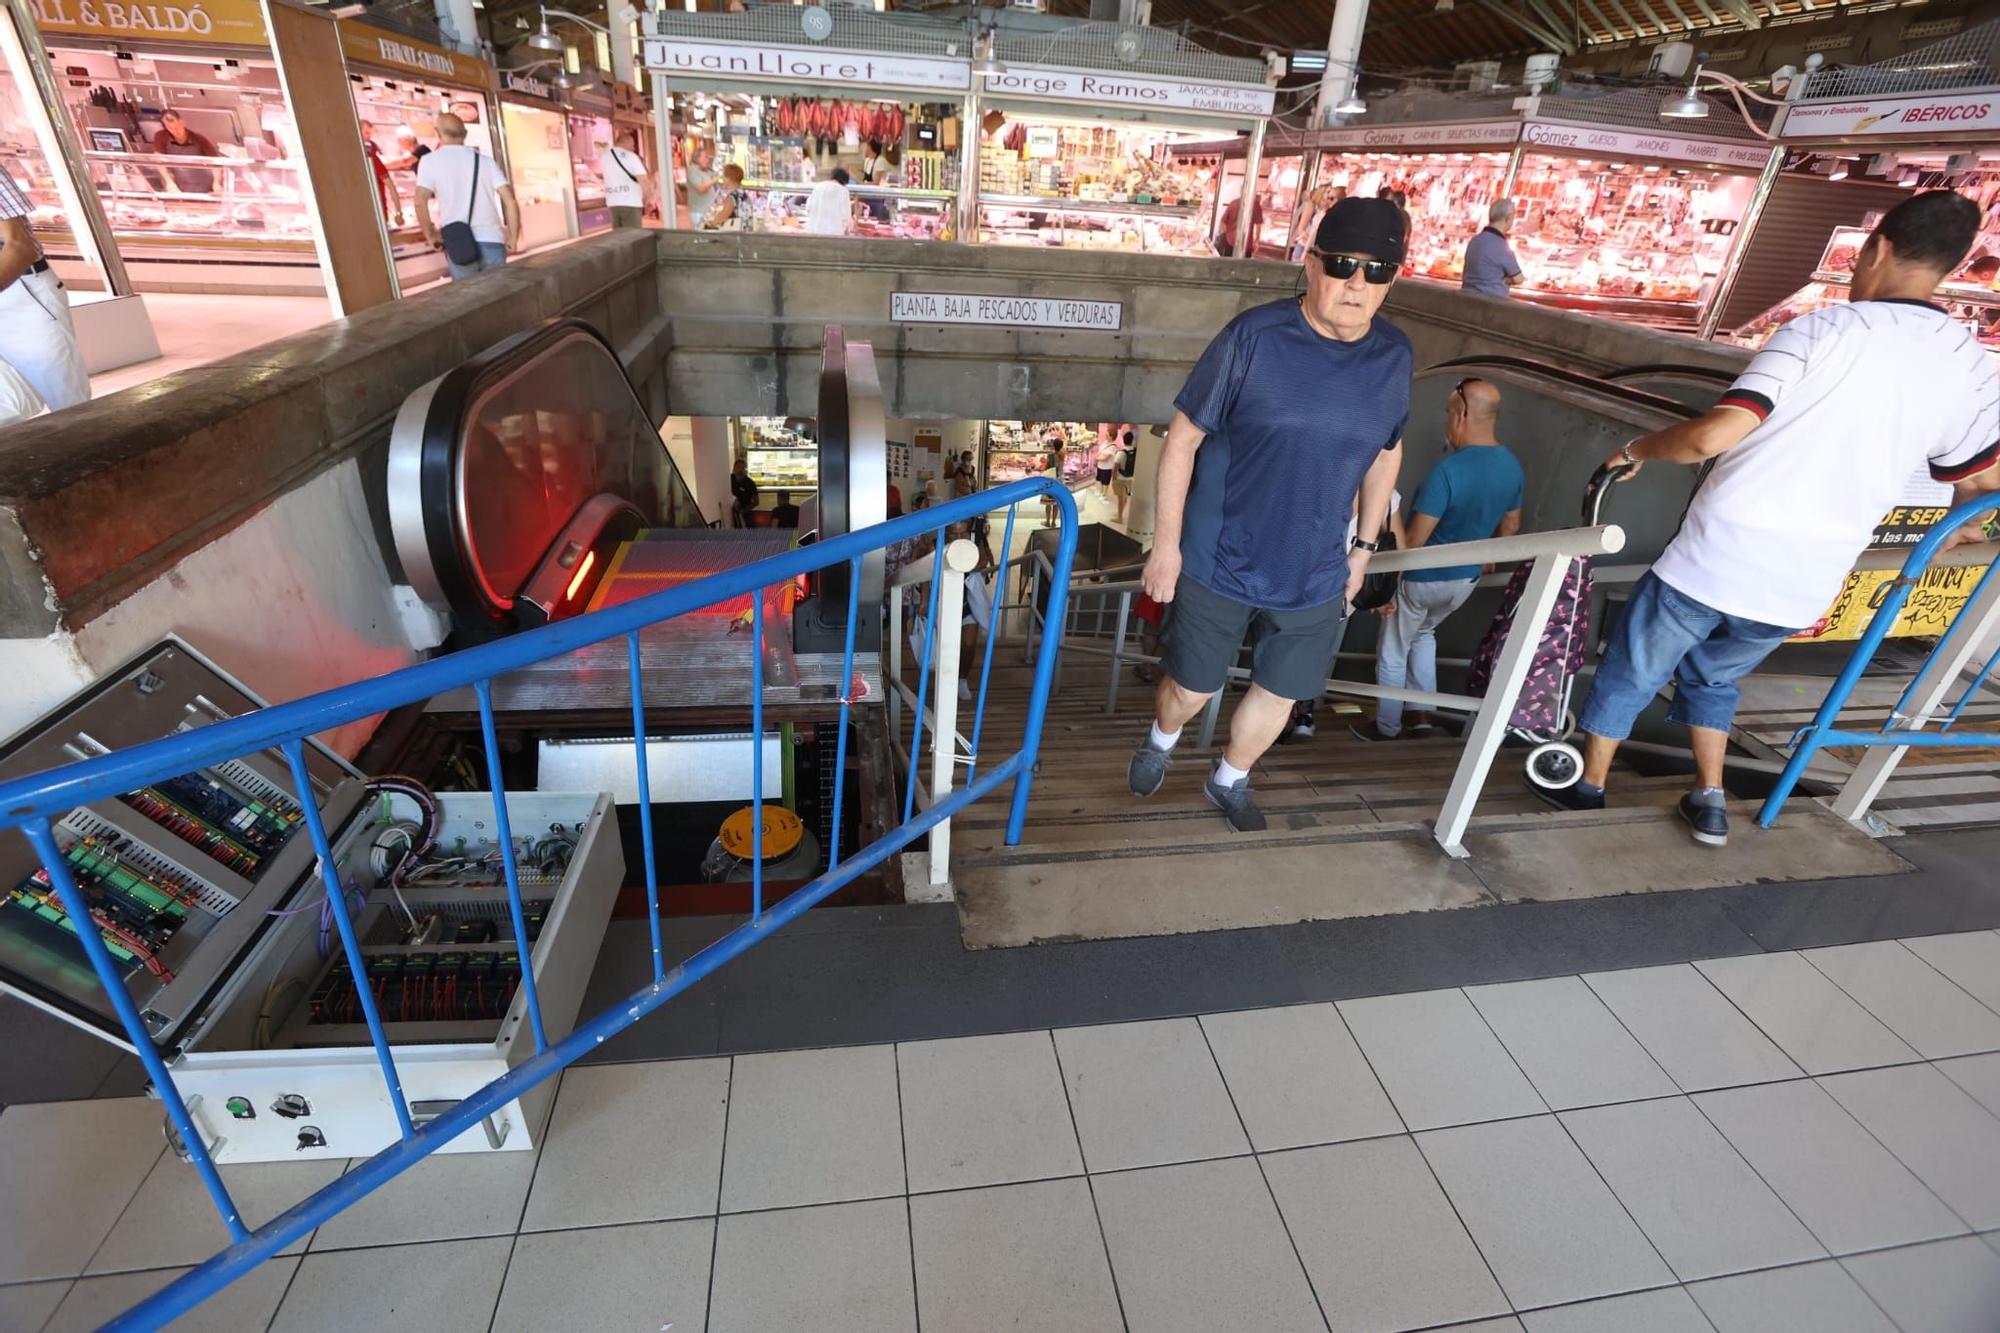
<point>1665,634</point>
<point>1406,654</point>
<point>492,254</point>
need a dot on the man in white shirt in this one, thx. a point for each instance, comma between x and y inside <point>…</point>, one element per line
<point>36,336</point>
<point>1813,443</point>
<point>626,184</point>
<point>470,188</point>
<point>830,208</point>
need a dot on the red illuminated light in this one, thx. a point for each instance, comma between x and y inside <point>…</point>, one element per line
<point>576,579</point>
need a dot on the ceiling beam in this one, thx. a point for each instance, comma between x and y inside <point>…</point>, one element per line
<point>1556,22</point>
<point>1533,27</point>
<point>1744,11</point>
<point>1624,16</point>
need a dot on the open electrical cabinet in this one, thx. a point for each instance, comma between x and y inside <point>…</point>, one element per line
<point>206,891</point>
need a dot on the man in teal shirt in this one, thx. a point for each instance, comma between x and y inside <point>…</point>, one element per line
<point>1473,493</point>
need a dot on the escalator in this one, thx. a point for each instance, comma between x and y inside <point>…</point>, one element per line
<point>530,485</point>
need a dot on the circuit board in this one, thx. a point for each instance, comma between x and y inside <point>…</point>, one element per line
<point>237,829</point>
<point>136,911</point>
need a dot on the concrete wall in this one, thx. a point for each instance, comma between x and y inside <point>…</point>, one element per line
<point>240,503</point>
<point>747,311</point>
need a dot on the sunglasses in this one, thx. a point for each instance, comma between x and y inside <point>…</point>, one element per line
<point>1342,267</point>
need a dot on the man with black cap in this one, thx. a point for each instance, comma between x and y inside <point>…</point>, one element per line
<point>1294,408</point>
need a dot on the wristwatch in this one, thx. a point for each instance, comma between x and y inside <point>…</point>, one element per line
<point>1361,544</point>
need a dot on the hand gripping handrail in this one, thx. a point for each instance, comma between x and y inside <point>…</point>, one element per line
<point>1971,628</point>
<point>31,803</point>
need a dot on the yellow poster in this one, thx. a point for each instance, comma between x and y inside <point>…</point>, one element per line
<point>1927,613</point>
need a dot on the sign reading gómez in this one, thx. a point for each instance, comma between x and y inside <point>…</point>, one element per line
<point>1640,143</point>
<point>1019,312</point>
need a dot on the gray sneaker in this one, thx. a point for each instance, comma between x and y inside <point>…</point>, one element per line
<point>1235,804</point>
<point>1148,768</point>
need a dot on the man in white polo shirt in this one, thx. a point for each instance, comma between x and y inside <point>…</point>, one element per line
<point>1814,443</point>
<point>470,188</point>
<point>626,184</point>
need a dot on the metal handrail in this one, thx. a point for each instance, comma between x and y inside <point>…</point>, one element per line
<point>30,803</point>
<point>1925,698</point>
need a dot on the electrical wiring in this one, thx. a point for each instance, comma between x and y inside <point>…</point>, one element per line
<point>267,1009</point>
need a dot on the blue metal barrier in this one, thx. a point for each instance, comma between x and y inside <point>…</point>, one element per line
<point>31,803</point>
<point>1901,728</point>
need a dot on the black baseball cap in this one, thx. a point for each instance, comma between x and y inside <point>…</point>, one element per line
<point>1372,227</point>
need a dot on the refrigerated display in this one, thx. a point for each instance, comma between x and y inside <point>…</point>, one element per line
<point>539,168</point>
<point>782,452</point>
<point>387,104</point>
<point>589,141</point>
<point>1094,185</point>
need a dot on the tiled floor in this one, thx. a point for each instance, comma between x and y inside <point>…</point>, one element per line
<point>194,330</point>
<point>1799,1141</point>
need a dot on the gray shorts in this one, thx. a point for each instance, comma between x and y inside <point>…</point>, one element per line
<point>1291,652</point>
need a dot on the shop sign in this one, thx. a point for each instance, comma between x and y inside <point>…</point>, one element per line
<point>1014,312</point>
<point>1592,140</point>
<point>1391,137</point>
<point>372,46</point>
<point>796,65</point>
<point>1934,603</point>
<point>526,84</point>
<point>1953,114</point>
<point>211,22</point>
<point>1076,85</point>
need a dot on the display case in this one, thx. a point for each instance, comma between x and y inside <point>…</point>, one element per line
<point>387,104</point>
<point>207,895</point>
<point>1075,223</point>
<point>781,451</point>
<point>589,141</point>
<point>911,214</point>
<point>1094,185</point>
<point>539,168</point>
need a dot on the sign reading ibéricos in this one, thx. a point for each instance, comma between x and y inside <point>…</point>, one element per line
<point>1943,114</point>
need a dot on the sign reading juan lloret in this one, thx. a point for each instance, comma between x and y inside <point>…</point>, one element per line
<point>1023,312</point>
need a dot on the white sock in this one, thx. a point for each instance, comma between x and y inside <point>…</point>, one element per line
<point>1165,740</point>
<point>1225,776</point>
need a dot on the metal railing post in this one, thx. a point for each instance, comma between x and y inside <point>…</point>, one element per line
<point>1211,715</point>
<point>1489,724</point>
<point>504,835</point>
<point>959,559</point>
<point>1046,662</point>
<point>645,803</point>
<point>895,672</point>
<point>1118,654</point>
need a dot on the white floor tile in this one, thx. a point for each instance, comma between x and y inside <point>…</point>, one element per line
<point>1813,1020</point>
<point>985,1111</point>
<point>1298,1078</point>
<point>1972,959</point>
<point>67,1170</point>
<point>1539,1213</point>
<point>632,1143</point>
<point>1379,1239</point>
<point>1913,999</point>
<point>812,1127</point>
<point>1951,1286</point>
<point>1200,1247</point>
<point>1842,1184</point>
<point>1949,1140</point>
<point>1438,1060</point>
<point>844,1268</point>
<point>1014,1256</point>
<point>1691,1028</point>
<point>450,1196</point>
<point>245,1304</point>
<point>646,1276</point>
<point>29,1305</point>
<point>1146,1094</point>
<point>1978,1075</point>
<point>1670,1310</point>
<point>1812,1298</point>
<point>171,1222</point>
<point>1693,1196</point>
<point>1506,1325</point>
<point>449,1287</point>
<point>1571,1047</point>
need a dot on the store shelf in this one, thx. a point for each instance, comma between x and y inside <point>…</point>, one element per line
<point>1049,204</point>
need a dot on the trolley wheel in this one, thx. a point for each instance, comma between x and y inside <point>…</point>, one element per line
<point>1555,765</point>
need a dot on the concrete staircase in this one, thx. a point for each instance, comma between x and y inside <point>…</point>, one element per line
<point>1349,831</point>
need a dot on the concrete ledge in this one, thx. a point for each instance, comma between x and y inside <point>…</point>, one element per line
<point>109,495</point>
<point>747,310</point>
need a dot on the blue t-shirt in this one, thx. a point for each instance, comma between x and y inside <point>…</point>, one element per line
<point>1293,420</point>
<point>1489,262</point>
<point>1468,493</point>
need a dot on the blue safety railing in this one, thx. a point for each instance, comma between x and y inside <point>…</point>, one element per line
<point>1906,723</point>
<point>32,803</point>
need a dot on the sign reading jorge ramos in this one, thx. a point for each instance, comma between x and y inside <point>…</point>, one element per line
<point>1020,312</point>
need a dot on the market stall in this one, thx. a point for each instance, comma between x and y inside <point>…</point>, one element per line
<point>189,142</point>
<point>536,128</point>
<point>400,85</point>
<point>1073,156</point>
<point>590,131</point>
<point>1018,449</point>
<point>783,453</point>
<point>788,106</point>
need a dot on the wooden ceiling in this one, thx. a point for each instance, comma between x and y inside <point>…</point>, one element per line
<point>1415,34</point>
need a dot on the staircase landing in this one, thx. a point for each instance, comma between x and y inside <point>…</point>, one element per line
<point>1349,834</point>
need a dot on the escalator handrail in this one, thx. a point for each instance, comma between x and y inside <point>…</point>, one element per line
<point>1574,379</point>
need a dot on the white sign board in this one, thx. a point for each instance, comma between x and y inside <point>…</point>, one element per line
<point>1391,138</point>
<point>1896,116</point>
<point>1076,85</point>
<point>1017,312</point>
<point>1638,143</point>
<point>798,66</point>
